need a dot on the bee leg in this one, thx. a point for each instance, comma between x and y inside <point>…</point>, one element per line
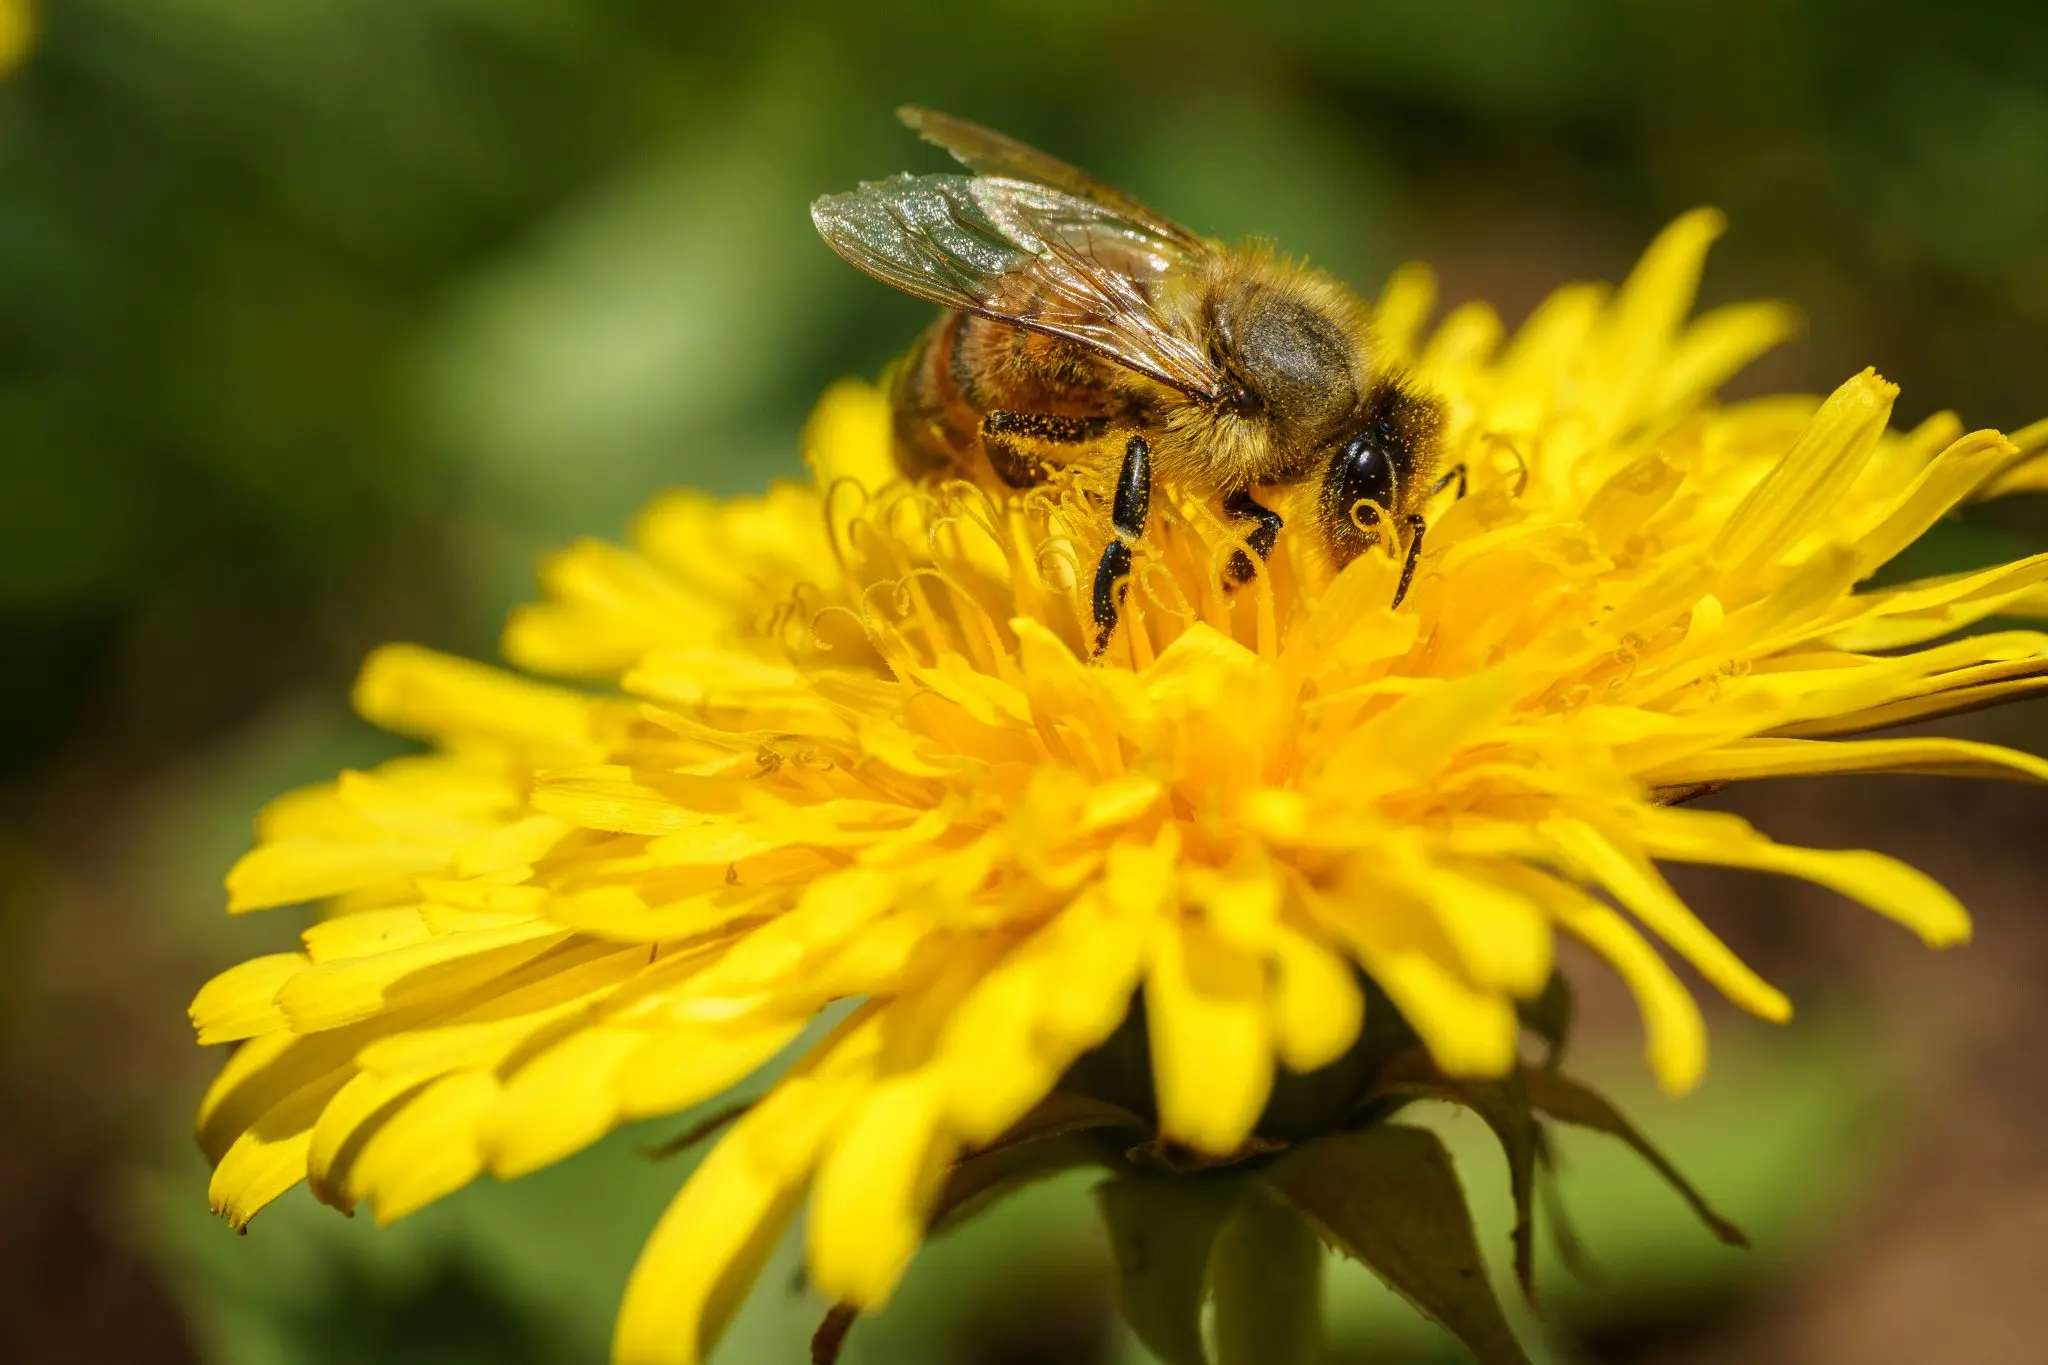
<point>1261,537</point>
<point>1128,513</point>
<point>1004,434</point>
<point>1416,526</point>
<point>1454,475</point>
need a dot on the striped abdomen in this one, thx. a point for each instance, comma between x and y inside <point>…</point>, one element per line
<point>962,368</point>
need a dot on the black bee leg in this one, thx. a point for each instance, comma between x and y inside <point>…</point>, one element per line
<point>1261,537</point>
<point>1454,475</point>
<point>1128,513</point>
<point>1004,436</point>
<point>1416,526</point>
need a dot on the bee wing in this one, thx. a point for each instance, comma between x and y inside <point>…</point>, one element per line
<point>988,152</point>
<point>1025,254</point>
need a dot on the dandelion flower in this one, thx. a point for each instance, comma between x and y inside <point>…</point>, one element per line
<point>845,743</point>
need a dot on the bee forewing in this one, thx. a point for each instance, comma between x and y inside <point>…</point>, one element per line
<point>988,152</point>
<point>927,235</point>
<point>1026,254</point>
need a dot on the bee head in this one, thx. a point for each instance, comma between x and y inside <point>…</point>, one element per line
<point>1378,455</point>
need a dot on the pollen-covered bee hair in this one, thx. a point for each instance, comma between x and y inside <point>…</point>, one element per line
<point>1083,327</point>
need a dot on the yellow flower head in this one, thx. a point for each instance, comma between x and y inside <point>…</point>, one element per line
<point>849,746</point>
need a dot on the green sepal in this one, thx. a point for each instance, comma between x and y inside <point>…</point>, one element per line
<point>1549,1016</point>
<point>1161,1232</point>
<point>1065,1132</point>
<point>1567,1101</point>
<point>1564,1237</point>
<point>1267,1276</point>
<point>1389,1197</point>
<point>698,1131</point>
<point>1504,1107</point>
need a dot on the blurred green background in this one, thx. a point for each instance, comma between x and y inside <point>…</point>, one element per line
<point>319,320</point>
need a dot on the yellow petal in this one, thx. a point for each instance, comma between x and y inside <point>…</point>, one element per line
<point>991,1068</point>
<point>269,1157</point>
<point>1317,1006</point>
<point>429,1148</point>
<point>263,1073</point>
<point>558,1103</point>
<point>1946,481</point>
<point>1212,1060</point>
<point>609,798</point>
<point>365,933</point>
<point>365,1103</point>
<point>849,437</point>
<point>713,1240</point>
<point>874,1191</point>
<point>1809,481</point>
<point>1914,613</point>
<point>2028,472</point>
<point>676,1067</point>
<point>1532,372</point>
<point>1403,307</point>
<point>336,993</point>
<point>1463,342</point>
<point>1096,960</point>
<point>1715,346</point>
<point>1413,738</point>
<point>1749,759</point>
<point>1468,1031</point>
<point>297,870</point>
<point>1503,940</point>
<point>422,692</point>
<point>1646,895</point>
<point>242,1001</point>
<point>607,607</point>
<point>1633,347</point>
<point>1886,885</point>
<point>1675,1033</point>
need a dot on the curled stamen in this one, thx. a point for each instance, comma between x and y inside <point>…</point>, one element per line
<point>1151,571</point>
<point>834,523</point>
<point>1061,551</point>
<point>1376,516</point>
<point>1495,440</point>
<point>820,643</point>
<point>990,636</point>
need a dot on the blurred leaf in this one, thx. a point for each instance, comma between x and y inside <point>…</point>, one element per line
<point>1061,1134</point>
<point>1389,1197</point>
<point>1161,1232</point>
<point>1570,1102</point>
<point>1267,1272</point>
<point>1549,1016</point>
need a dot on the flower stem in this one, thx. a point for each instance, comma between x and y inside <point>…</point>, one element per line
<point>1267,1275</point>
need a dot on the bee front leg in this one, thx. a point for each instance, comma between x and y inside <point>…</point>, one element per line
<point>1260,538</point>
<point>1128,512</point>
<point>1416,526</point>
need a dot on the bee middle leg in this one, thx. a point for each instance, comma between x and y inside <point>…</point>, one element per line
<point>1261,538</point>
<point>1128,513</point>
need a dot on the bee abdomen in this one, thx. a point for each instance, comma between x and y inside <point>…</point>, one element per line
<point>1043,392</point>
<point>935,428</point>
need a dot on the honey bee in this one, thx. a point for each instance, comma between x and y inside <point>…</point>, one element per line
<point>1084,327</point>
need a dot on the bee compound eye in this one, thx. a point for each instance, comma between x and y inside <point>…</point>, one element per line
<point>1363,472</point>
<point>1359,478</point>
